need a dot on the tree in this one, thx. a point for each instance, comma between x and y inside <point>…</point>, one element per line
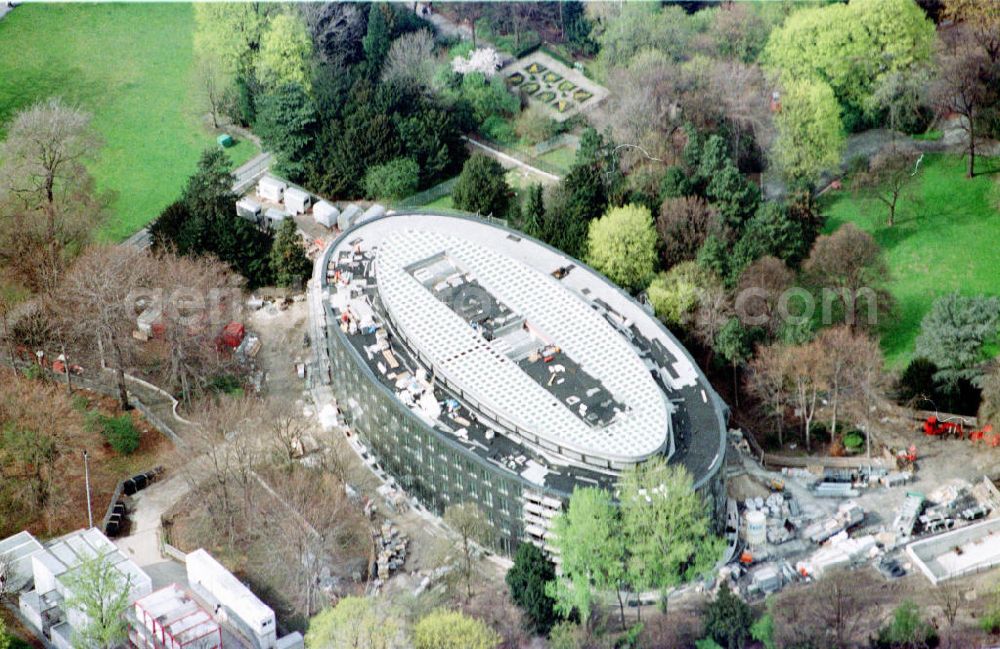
<point>285,52</point>
<point>989,406</point>
<point>675,294</point>
<point>683,224</point>
<point>5,640</point>
<point>665,527</point>
<point>376,42</point>
<point>410,60</point>
<point>963,86</point>
<point>734,343</point>
<point>728,619</point>
<point>622,245</point>
<point>759,294</point>
<point>527,580</point>
<point>810,137</point>
<point>850,261</point>
<point>954,335</point>
<point>48,207</point>
<point>773,231</point>
<point>533,213</point>
<point>98,299</point>
<point>903,94</point>
<point>591,551</point>
<point>354,623</point>
<point>445,629</point>
<point>204,223</point>
<point>393,180</point>
<point>482,187</point>
<point>232,33</point>
<point>213,85</point>
<point>470,12</point>
<point>336,30</point>
<point>102,594</point>
<point>982,19</point>
<point>469,522</point>
<point>196,297</point>
<point>850,46</point>
<point>289,263</point>
<point>287,123</point>
<point>642,26</point>
<point>889,176</point>
<point>906,630</point>
<point>834,612</point>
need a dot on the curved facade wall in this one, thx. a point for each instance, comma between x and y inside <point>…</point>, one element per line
<point>439,471</point>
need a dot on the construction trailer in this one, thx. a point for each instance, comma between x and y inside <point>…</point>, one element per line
<point>325,214</point>
<point>348,217</point>
<point>297,201</point>
<point>249,209</point>
<point>373,212</point>
<point>274,215</point>
<point>271,189</point>
<point>234,601</point>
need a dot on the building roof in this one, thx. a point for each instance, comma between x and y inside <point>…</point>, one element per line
<point>492,372</point>
<point>174,611</point>
<point>419,289</point>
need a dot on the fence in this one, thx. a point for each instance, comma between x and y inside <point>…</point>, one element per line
<point>518,155</point>
<point>430,195</point>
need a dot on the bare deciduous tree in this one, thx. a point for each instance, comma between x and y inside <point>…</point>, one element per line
<point>47,202</point>
<point>95,305</point>
<point>760,291</point>
<point>411,60</point>
<point>683,224</point>
<point>838,611</point>
<point>888,178</point>
<point>213,86</point>
<point>471,526</point>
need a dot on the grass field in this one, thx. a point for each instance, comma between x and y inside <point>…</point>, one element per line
<point>131,65</point>
<point>561,158</point>
<point>946,238</point>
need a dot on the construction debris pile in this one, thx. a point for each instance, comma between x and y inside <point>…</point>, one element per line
<point>390,550</point>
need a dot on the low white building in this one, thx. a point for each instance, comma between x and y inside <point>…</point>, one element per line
<point>234,602</point>
<point>45,603</point>
<point>325,214</point>
<point>297,201</point>
<point>271,189</point>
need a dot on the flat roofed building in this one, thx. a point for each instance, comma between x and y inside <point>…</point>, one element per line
<point>478,364</point>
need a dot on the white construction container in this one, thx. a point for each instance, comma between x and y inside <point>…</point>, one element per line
<point>208,577</point>
<point>372,212</point>
<point>274,216</point>
<point>348,217</point>
<point>249,209</point>
<point>325,214</point>
<point>297,201</point>
<point>271,189</point>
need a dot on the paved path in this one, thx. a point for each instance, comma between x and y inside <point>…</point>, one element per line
<point>142,545</point>
<point>244,176</point>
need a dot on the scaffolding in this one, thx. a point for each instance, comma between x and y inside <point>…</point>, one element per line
<point>170,619</point>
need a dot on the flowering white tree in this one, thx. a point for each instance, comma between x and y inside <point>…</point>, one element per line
<point>484,59</point>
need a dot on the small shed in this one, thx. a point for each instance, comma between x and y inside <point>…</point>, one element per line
<point>274,215</point>
<point>271,189</point>
<point>348,217</point>
<point>297,201</point>
<point>325,214</point>
<point>249,209</point>
<point>373,212</point>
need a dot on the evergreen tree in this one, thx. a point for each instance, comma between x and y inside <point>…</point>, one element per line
<point>289,263</point>
<point>527,580</point>
<point>728,619</point>
<point>955,334</point>
<point>533,213</point>
<point>482,188</point>
<point>286,124</point>
<point>378,39</point>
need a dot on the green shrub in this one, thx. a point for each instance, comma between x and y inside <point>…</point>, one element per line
<point>393,180</point>
<point>121,434</point>
<point>499,129</point>
<point>854,440</point>
<point>79,403</point>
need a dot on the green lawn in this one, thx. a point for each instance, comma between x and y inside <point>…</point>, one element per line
<point>945,239</point>
<point>561,158</point>
<point>131,65</point>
